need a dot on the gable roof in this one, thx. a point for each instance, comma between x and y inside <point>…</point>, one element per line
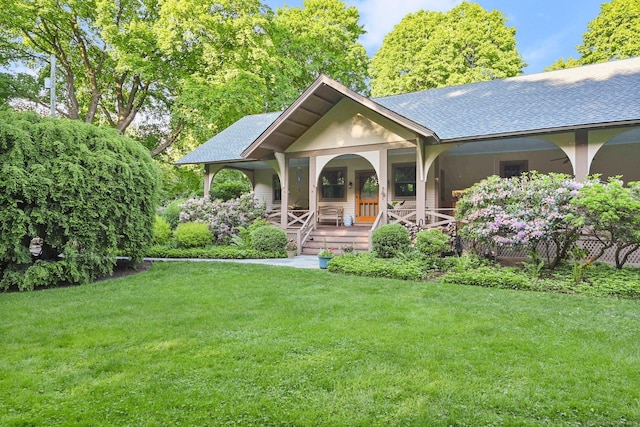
<point>588,96</point>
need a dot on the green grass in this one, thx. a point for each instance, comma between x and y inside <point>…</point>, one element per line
<point>234,344</point>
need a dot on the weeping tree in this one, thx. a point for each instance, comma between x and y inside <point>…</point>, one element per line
<point>72,196</point>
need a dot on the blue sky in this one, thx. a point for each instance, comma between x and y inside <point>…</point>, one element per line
<point>545,29</point>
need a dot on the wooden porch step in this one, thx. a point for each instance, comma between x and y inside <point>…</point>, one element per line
<point>336,238</point>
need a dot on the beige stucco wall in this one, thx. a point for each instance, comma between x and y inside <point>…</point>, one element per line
<point>349,124</point>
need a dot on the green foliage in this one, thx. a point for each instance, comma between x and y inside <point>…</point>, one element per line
<point>366,264</point>
<point>180,182</point>
<point>433,49</point>
<point>229,184</point>
<point>390,240</point>
<point>214,252</point>
<point>193,235</point>
<point>268,238</point>
<point>613,34</point>
<point>610,214</point>
<point>490,277</point>
<point>172,212</point>
<point>86,192</point>
<point>243,238</point>
<point>161,231</point>
<point>19,86</point>
<point>321,37</point>
<point>191,67</point>
<point>432,242</point>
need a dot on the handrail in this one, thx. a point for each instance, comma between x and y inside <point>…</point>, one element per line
<point>304,231</point>
<point>377,223</point>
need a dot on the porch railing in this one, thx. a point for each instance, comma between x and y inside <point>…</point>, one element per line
<point>433,217</point>
<point>301,234</point>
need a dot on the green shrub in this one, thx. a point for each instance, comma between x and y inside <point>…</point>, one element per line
<point>366,264</point>
<point>161,231</point>
<point>193,235</point>
<point>214,252</point>
<point>229,190</point>
<point>269,239</point>
<point>84,191</point>
<point>432,243</point>
<point>172,212</point>
<point>491,277</point>
<point>390,240</point>
<point>243,238</point>
<point>229,184</point>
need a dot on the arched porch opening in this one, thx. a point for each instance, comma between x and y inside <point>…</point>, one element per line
<point>229,183</point>
<point>348,188</point>
<point>619,155</point>
<point>466,164</point>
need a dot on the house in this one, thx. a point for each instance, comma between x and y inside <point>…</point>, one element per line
<point>336,156</point>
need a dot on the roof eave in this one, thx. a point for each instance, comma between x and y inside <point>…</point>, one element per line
<point>347,93</point>
<point>538,132</point>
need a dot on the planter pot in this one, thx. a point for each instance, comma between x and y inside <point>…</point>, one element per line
<point>291,254</point>
<point>324,260</point>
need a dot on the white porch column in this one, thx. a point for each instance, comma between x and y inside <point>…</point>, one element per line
<point>421,183</point>
<point>283,165</point>
<point>384,181</point>
<point>313,185</point>
<point>582,154</point>
<point>210,171</point>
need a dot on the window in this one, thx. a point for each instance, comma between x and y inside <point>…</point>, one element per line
<point>277,188</point>
<point>404,181</point>
<point>513,168</point>
<point>333,184</point>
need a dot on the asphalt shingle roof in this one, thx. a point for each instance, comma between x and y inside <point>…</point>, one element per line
<point>601,93</point>
<point>229,144</point>
<point>594,94</point>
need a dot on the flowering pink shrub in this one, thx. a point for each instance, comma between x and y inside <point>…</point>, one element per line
<point>526,210</point>
<point>223,218</point>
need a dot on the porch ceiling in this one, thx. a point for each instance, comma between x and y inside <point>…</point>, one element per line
<point>300,120</point>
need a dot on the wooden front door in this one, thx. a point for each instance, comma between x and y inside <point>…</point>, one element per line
<point>367,191</point>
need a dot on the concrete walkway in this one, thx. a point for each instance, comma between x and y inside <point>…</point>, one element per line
<point>300,261</point>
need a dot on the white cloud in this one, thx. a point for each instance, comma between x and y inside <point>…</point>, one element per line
<point>380,16</point>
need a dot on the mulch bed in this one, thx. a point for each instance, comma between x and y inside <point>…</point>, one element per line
<point>123,269</point>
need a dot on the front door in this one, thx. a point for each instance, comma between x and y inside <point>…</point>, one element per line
<point>367,192</point>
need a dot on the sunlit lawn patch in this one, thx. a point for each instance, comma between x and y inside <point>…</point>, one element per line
<point>218,344</point>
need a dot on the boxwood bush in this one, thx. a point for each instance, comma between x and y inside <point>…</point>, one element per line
<point>193,235</point>
<point>269,238</point>
<point>432,242</point>
<point>83,193</point>
<point>390,240</point>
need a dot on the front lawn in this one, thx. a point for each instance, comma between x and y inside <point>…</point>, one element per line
<point>236,344</point>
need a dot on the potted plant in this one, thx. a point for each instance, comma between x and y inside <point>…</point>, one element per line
<point>291,249</point>
<point>325,256</point>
